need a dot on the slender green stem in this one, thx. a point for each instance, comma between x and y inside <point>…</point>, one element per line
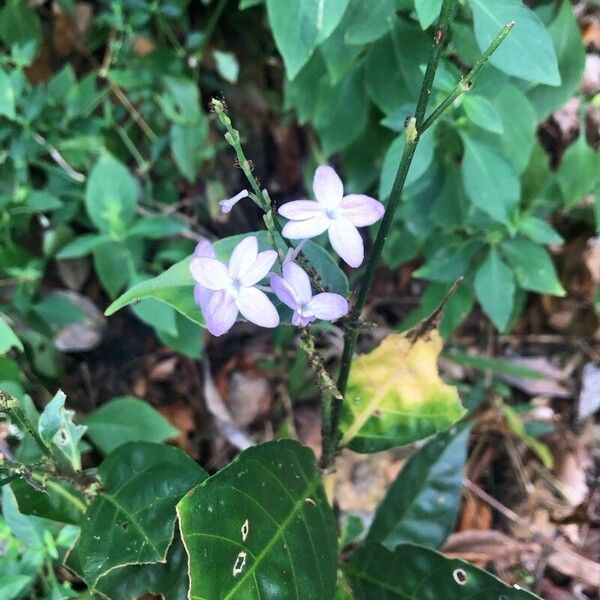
<point>466,82</point>
<point>415,128</point>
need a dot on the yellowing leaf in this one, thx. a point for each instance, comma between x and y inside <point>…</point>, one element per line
<point>395,395</point>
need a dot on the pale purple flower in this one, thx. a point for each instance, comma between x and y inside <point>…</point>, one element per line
<point>294,290</point>
<point>223,291</point>
<point>333,212</point>
<point>227,205</point>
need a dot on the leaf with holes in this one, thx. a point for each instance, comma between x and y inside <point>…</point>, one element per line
<point>261,528</point>
<point>395,395</point>
<point>416,573</point>
<point>422,503</point>
<point>141,484</point>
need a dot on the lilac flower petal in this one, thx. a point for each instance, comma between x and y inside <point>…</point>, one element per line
<point>361,210</point>
<point>284,291</point>
<point>227,205</point>
<point>299,210</point>
<point>220,312</point>
<point>201,296</point>
<point>302,320</point>
<point>257,308</point>
<point>296,276</point>
<point>298,230</point>
<point>210,273</point>
<point>204,249</point>
<point>260,269</point>
<point>346,241</point>
<point>328,187</point>
<point>329,306</point>
<point>243,257</point>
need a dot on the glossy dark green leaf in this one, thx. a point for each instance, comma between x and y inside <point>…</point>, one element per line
<point>59,501</point>
<point>422,504</point>
<point>415,573</point>
<point>300,25</point>
<point>127,419</point>
<point>141,484</point>
<point>527,52</point>
<point>495,289</point>
<point>261,528</point>
<point>532,266</point>
<point>569,48</point>
<point>169,579</point>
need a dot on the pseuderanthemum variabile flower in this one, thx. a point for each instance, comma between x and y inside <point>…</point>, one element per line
<point>224,291</point>
<point>333,212</point>
<point>294,290</point>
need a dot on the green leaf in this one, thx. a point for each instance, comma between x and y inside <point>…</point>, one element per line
<point>187,143</point>
<point>127,419</point>
<point>59,501</point>
<point>331,275</point>
<point>19,24</point>
<point>369,21</point>
<point>188,338</point>
<point>395,395</point>
<point>427,11</point>
<point>495,289</point>
<point>422,504</point>
<point>570,51</point>
<point>420,163</point>
<point>7,96</point>
<point>182,101</point>
<point>482,113</point>
<point>8,339</point>
<point>527,52</point>
<point>491,183</point>
<point>495,365</point>
<point>532,267</point>
<point>169,580</point>
<point>579,170</point>
<point>539,231</point>
<point>413,572</point>
<point>82,245</point>
<point>57,429</point>
<point>156,227</point>
<point>141,484</point>
<point>300,25</point>
<point>261,528</point>
<point>113,264</point>
<point>337,54</point>
<point>111,196</point>
<point>13,585</point>
<point>227,65</point>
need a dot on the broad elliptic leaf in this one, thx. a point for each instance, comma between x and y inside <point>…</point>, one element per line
<point>416,573</point>
<point>7,96</point>
<point>127,419</point>
<point>111,196</point>
<point>495,289</point>
<point>175,286</point>
<point>8,339</point>
<point>131,520</point>
<point>300,25</point>
<point>490,181</point>
<point>57,429</point>
<point>527,52</point>
<point>483,113</point>
<point>532,266</point>
<point>59,501</point>
<point>368,21</point>
<point>427,11</point>
<point>395,395</point>
<point>579,170</point>
<point>261,528</point>
<point>422,503</point>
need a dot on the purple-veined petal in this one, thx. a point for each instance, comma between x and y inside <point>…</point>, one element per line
<point>284,291</point>
<point>328,306</point>
<point>328,187</point>
<point>257,308</point>
<point>243,257</point>
<point>227,205</point>
<point>296,276</point>
<point>220,313</point>
<point>298,230</point>
<point>259,269</point>
<point>346,241</point>
<point>204,249</point>
<point>361,210</point>
<point>210,273</point>
<point>201,296</point>
<point>299,210</point>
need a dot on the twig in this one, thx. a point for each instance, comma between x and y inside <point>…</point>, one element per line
<point>58,159</point>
